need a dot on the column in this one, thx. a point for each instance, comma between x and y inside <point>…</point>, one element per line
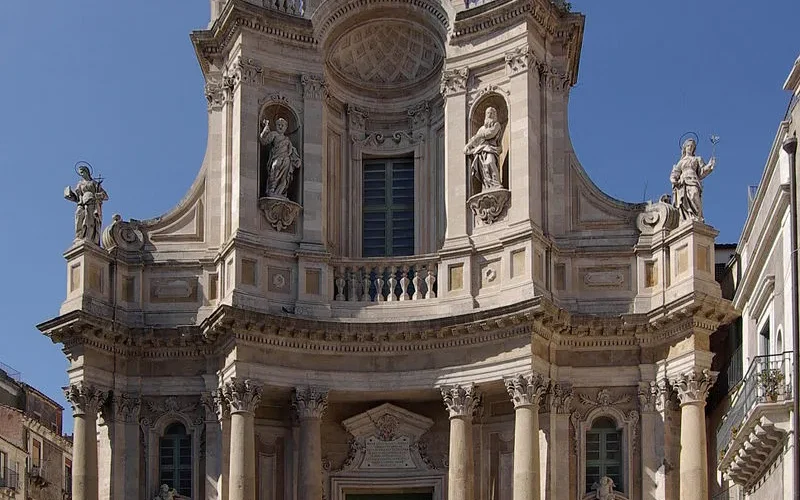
<point>692,388</point>
<point>456,180</point>
<point>216,410</point>
<point>313,129</point>
<point>461,402</point>
<point>309,404</point>
<point>559,448</point>
<point>123,422</point>
<point>652,439</point>
<point>525,392</point>
<point>86,401</point>
<point>243,397</point>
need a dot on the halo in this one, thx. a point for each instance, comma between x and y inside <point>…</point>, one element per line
<point>692,134</point>
<point>84,164</point>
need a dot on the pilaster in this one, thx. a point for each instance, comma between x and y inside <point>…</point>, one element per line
<point>561,396</point>
<point>313,120</point>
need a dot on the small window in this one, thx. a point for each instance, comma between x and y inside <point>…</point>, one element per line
<point>67,475</point>
<point>764,335</point>
<point>603,453</point>
<point>175,459</point>
<point>388,207</point>
<point>36,453</point>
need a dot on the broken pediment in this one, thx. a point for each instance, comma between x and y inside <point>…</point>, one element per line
<point>387,438</point>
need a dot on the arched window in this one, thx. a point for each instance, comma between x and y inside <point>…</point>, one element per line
<point>604,453</point>
<point>175,459</point>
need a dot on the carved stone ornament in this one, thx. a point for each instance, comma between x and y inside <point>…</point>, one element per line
<point>461,401</point>
<point>687,181</point>
<point>310,402</point>
<point>561,399</point>
<point>526,390</point>
<point>517,60</point>
<point>215,405</point>
<point>693,387</point>
<point>244,70</point>
<point>279,212</point>
<point>454,81</point>
<point>648,396</point>
<point>419,115</point>
<point>489,206</point>
<point>313,86</point>
<point>243,395</point>
<point>604,489</point>
<point>657,217</point>
<point>603,399</point>
<point>553,78</point>
<point>398,140</point>
<point>125,407</point>
<point>123,235</point>
<point>166,493</point>
<point>85,399</point>
<point>357,117</point>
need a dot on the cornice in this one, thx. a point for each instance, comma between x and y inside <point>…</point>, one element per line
<point>41,429</point>
<point>211,44</point>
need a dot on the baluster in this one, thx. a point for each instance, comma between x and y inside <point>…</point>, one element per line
<point>417,282</point>
<point>429,281</point>
<point>339,283</point>
<point>404,284</point>
<point>392,284</point>
<point>365,282</point>
<point>352,286</point>
<point>379,283</point>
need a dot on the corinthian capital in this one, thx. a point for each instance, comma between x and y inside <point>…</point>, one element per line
<point>242,395</point>
<point>526,390</point>
<point>125,407</point>
<point>693,387</point>
<point>454,81</point>
<point>85,399</point>
<point>314,86</point>
<point>461,401</point>
<point>310,402</point>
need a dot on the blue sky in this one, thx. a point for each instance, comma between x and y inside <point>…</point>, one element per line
<point>117,84</point>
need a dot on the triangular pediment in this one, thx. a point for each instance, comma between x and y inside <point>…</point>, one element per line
<point>386,421</point>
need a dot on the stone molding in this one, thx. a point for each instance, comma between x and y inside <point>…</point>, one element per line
<point>692,387</point>
<point>243,395</point>
<point>461,401</point>
<point>454,82</point>
<point>526,390</point>
<point>314,87</point>
<point>398,140</point>
<point>85,398</point>
<point>310,402</point>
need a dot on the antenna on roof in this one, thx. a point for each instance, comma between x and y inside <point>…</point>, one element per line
<point>644,194</point>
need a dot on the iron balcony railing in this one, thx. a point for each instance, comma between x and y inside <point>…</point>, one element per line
<point>768,380</point>
<point>9,479</point>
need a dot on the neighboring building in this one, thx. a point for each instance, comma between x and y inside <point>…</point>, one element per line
<point>392,279</point>
<point>754,451</point>
<point>35,459</point>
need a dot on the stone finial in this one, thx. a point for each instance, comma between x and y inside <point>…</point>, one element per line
<point>309,402</point>
<point>693,386</point>
<point>85,399</point>
<point>461,400</point>
<point>526,390</point>
<point>242,395</point>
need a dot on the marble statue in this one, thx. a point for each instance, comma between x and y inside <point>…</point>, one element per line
<point>604,489</point>
<point>687,181</point>
<point>283,158</point>
<point>165,493</point>
<point>485,149</point>
<point>89,196</point>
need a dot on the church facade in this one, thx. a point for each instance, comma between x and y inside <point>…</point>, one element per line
<point>392,278</point>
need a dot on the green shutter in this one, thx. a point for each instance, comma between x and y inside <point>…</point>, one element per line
<point>388,207</point>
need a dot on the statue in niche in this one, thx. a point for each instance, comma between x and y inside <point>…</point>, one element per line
<point>89,196</point>
<point>283,158</point>
<point>687,181</point>
<point>485,149</point>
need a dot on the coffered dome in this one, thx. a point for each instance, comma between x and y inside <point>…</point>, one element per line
<point>386,55</point>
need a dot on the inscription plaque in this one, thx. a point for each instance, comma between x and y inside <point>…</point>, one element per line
<point>391,454</point>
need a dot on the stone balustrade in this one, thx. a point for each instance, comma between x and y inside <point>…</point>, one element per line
<point>291,7</point>
<point>385,280</point>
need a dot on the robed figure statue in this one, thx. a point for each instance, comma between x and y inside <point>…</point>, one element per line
<point>687,181</point>
<point>485,149</point>
<point>283,158</point>
<point>89,196</point>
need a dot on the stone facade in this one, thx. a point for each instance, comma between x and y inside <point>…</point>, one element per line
<point>34,456</point>
<point>534,315</point>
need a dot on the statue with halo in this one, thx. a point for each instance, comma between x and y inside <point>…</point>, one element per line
<point>89,196</point>
<point>687,179</point>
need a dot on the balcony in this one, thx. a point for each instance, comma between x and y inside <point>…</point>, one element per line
<point>9,480</point>
<point>755,429</point>
<point>384,280</point>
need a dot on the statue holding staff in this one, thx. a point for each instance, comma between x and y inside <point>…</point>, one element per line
<point>485,149</point>
<point>687,181</point>
<point>89,196</point>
